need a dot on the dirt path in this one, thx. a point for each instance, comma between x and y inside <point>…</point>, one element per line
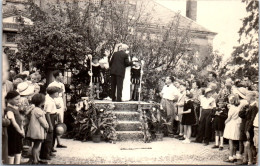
<point>168,151</point>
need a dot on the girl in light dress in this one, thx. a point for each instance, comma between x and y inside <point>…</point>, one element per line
<point>232,126</point>
<point>38,126</point>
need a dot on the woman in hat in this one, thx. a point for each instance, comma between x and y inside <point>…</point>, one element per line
<point>207,105</point>
<point>15,130</point>
<point>26,92</point>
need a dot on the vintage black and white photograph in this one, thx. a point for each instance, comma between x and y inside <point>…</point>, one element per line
<point>157,82</point>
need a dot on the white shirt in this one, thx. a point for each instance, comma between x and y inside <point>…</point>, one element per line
<point>256,121</point>
<point>207,103</point>
<point>169,92</point>
<point>50,106</point>
<point>59,100</point>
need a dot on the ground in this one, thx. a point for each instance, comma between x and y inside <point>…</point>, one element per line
<point>168,151</point>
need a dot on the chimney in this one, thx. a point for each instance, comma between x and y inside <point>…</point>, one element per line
<point>191,9</point>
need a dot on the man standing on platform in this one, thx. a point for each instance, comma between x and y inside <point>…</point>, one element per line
<point>170,95</point>
<point>118,63</point>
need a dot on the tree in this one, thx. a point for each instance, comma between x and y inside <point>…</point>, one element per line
<point>66,32</point>
<point>245,57</point>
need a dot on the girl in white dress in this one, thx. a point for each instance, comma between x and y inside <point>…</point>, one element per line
<point>232,128</point>
<point>127,84</point>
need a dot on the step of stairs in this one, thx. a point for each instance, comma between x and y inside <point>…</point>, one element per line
<point>128,126</point>
<point>127,115</point>
<point>130,135</point>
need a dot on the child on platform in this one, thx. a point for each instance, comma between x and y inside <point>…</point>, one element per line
<point>97,77</point>
<point>232,128</point>
<point>15,130</point>
<point>188,117</point>
<point>135,79</point>
<point>38,127</point>
<point>220,114</point>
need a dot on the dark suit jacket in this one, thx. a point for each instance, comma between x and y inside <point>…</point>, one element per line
<point>118,63</point>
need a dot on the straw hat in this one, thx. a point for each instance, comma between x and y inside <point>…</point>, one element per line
<point>208,90</point>
<point>25,89</point>
<point>240,92</point>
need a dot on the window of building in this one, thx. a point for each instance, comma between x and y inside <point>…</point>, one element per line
<point>10,37</point>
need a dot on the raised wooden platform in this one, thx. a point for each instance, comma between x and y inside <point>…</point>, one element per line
<point>129,125</point>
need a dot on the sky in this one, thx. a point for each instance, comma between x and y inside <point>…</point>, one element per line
<point>220,16</point>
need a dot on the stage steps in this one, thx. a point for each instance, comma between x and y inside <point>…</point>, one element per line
<point>129,127</point>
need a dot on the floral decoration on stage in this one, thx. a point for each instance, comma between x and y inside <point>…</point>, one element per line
<point>91,121</point>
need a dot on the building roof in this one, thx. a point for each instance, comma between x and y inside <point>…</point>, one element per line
<point>163,15</point>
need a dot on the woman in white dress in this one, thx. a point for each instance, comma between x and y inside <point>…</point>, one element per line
<point>127,84</point>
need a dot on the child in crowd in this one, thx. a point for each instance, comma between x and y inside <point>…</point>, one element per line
<point>232,128</point>
<point>207,103</point>
<point>220,114</point>
<point>188,117</point>
<point>180,106</point>
<point>97,77</point>
<point>34,81</point>
<point>135,79</point>
<point>15,130</point>
<point>51,113</point>
<point>37,128</point>
<point>249,114</point>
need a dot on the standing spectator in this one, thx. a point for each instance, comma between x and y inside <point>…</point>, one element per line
<point>51,114</point>
<point>169,96</point>
<point>61,104</point>
<point>207,105</point>
<point>249,114</point>
<point>43,86</point>
<point>34,81</point>
<point>232,128</point>
<point>219,117</point>
<point>15,130</point>
<point>196,91</point>
<point>180,106</point>
<point>7,86</point>
<point>37,128</point>
<point>188,118</point>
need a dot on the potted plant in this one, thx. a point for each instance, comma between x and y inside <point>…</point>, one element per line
<point>103,124</point>
<point>159,122</point>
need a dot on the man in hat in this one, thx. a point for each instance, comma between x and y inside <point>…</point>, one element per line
<point>118,63</point>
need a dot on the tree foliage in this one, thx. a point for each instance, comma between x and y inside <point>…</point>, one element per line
<point>65,32</point>
<point>245,57</point>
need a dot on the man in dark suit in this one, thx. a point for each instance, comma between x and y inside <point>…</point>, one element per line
<point>118,63</point>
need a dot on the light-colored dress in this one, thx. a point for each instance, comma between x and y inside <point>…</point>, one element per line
<point>35,128</point>
<point>232,128</point>
<point>126,85</point>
